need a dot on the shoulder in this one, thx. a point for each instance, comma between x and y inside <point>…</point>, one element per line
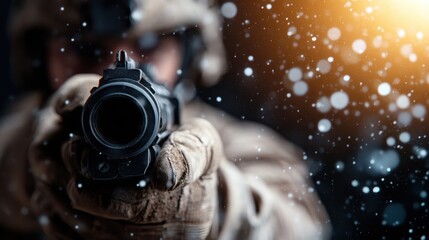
<point>244,138</point>
<point>17,124</point>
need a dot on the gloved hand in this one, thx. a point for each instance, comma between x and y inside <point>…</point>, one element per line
<point>178,200</point>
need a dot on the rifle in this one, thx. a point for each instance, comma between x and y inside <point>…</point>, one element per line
<point>125,121</point>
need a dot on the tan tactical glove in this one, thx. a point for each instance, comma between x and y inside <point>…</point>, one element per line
<point>177,201</point>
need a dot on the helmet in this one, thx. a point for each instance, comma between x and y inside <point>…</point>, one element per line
<point>32,22</point>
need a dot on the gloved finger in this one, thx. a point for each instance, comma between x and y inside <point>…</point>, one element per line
<point>72,152</point>
<point>124,201</point>
<point>60,221</point>
<point>192,152</point>
<point>74,92</point>
<point>44,150</point>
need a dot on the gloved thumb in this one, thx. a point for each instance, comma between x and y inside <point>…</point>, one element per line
<point>74,92</point>
<point>192,152</point>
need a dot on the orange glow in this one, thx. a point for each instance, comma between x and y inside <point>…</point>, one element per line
<point>407,16</point>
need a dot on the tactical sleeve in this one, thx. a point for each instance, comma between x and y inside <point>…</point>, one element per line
<point>265,189</point>
<point>15,176</point>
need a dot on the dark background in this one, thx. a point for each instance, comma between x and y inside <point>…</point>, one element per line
<point>341,156</point>
<point>4,50</point>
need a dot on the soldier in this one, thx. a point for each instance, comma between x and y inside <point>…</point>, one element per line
<point>215,177</point>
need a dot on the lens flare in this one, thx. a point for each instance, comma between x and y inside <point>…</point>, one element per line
<point>408,16</point>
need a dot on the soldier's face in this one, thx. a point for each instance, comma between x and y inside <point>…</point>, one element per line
<point>67,58</point>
